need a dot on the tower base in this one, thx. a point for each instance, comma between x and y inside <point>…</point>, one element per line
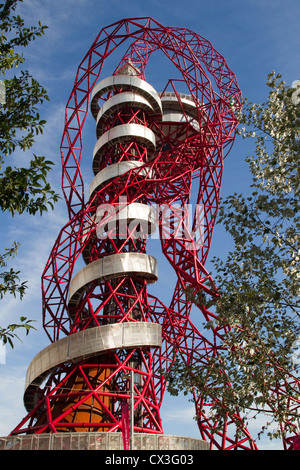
<point>100,441</point>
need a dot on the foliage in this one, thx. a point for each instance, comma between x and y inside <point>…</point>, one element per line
<point>259,281</point>
<point>11,284</point>
<point>10,278</point>
<point>22,190</point>
<point>8,334</point>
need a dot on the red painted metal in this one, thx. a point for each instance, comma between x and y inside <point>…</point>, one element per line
<point>88,396</point>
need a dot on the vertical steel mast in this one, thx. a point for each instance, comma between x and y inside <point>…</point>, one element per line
<point>103,323</point>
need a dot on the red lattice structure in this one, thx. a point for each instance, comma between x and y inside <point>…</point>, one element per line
<point>151,147</point>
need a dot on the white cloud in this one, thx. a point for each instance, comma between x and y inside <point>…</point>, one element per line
<point>178,416</point>
<point>11,393</point>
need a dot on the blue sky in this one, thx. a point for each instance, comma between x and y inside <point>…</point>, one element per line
<point>255,37</point>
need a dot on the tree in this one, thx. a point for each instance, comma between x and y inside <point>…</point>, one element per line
<point>259,282</point>
<point>22,190</point>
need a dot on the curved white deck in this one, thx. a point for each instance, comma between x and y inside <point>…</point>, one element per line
<point>87,343</point>
<point>125,82</point>
<point>120,135</point>
<point>111,267</point>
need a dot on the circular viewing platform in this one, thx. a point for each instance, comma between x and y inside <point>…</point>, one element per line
<point>100,441</point>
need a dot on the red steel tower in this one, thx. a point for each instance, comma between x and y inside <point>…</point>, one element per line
<point>108,333</point>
